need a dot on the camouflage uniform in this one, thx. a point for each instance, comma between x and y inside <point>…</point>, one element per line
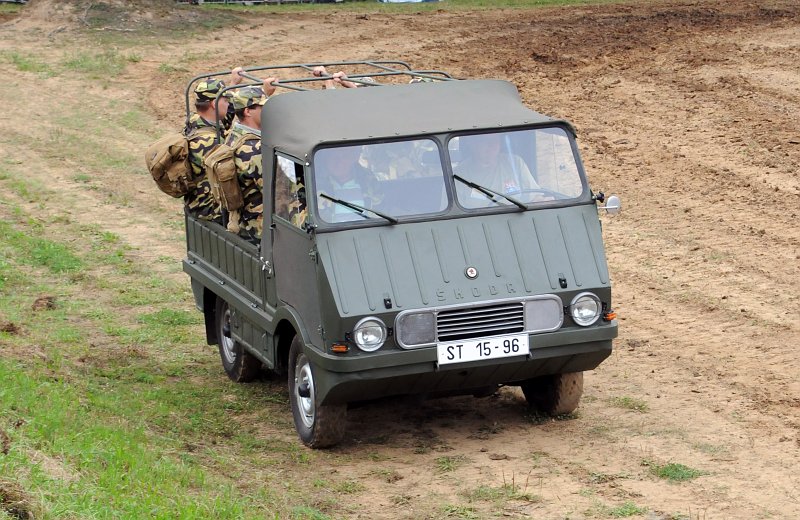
<point>290,194</point>
<point>199,202</point>
<point>248,166</point>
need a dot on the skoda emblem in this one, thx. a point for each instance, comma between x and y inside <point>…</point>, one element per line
<point>471,273</point>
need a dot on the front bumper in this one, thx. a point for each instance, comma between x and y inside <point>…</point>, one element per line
<point>345,379</point>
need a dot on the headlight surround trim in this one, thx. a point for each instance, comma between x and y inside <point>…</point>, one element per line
<point>583,303</point>
<point>366,331</point>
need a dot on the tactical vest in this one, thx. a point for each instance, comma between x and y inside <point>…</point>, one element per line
<point>222,176</point>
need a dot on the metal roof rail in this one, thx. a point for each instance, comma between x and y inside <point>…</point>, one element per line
<point>375,69</point>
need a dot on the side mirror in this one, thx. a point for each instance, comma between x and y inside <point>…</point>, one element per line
<point>613,205</point>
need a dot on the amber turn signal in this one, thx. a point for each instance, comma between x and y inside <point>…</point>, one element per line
<point>611,315</point>
<point>339,348</point>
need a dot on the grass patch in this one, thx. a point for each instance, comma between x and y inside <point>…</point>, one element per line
<point>629,403</point>
<point>349,487</point>
<point>26,63</point>
<point>166,68</point>
<point>499,493</point>
<point>110,429</point>
<point>673,471</point>
<point>96,65</point>
<point>448,463</point>
<point>308,513</point>
<point>464,512</point>
<point>10,8</point>
<point>625,510</point>
<point>36,251</point>
<point>170,318</point>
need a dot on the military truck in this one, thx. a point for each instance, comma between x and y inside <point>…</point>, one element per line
<point>426,237</point>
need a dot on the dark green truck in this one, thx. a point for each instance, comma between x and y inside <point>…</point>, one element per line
<point>430,238</point>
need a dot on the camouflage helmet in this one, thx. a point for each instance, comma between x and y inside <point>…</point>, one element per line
<point>248,96</point>
<point>209,89</point>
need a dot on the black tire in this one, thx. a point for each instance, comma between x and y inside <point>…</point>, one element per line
<point>556,394</point>
<point>319,426</point>
<point>240,365</point>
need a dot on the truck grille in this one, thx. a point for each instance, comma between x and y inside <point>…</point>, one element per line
<point>475,322</point>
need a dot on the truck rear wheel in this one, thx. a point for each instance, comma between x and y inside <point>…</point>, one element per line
<point>555,394</point>
<point>319,426</point>
<point>240,365</point>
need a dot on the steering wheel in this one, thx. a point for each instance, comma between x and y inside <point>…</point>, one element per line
<point>544,191</point>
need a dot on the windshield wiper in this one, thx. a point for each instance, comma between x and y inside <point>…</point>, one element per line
<point>361,210</point>
<point>489,192</point>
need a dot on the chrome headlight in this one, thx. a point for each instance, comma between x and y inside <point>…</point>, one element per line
<point>585,309</point>
<point>369,334</point>
<point>416,329</point>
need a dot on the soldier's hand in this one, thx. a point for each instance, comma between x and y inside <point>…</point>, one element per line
<point>341,78</point>
<point>269,88</point>
<point>319,71</point>
<point>235,77</point>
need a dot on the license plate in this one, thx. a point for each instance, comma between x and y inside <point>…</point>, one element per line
<point>480,349</point>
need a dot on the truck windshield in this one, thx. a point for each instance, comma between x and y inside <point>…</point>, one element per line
<point>528,166</point>
<point>396,179</point>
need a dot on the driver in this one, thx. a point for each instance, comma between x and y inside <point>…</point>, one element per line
<point>490,163</point>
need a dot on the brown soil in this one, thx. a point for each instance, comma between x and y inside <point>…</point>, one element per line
<point>688,111</point>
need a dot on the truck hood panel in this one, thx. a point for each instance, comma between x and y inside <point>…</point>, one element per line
<point>427,264</point>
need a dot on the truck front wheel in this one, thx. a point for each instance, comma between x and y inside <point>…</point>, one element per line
<point>319,426</point>
<point>240,365</point>
<point>555,394</point>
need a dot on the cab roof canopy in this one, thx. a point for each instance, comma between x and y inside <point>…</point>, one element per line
<point>296,122</point>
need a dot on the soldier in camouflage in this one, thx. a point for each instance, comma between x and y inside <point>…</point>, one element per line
<point>247,104</point>
<point>201,128</point>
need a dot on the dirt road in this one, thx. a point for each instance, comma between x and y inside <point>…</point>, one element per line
<point>688,111</point>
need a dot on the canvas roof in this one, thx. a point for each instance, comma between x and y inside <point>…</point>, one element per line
<point>296,122</point>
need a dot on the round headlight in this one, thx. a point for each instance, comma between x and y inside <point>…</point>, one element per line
<point>585,309</point>
<point>369,334</point>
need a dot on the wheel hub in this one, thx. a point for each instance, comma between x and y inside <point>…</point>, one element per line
<point>225,340</point>
<point>304,391</point>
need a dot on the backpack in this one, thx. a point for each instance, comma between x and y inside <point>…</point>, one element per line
<point>168,162</point>
<point>222,176</point>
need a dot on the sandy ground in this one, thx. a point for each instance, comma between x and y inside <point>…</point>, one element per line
<point>689,112</point>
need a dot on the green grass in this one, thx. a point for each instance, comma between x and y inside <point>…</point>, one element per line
<point>674,472</point>
<point>166,68</point>
<point>134,424</point>
<point>463,512</point>
<point>629,403</point>
<point>308,513</point>
<point>108,63</point>
<point>36,251</point>
<point>447,463</point>
<point>26,63</point>
<point>501,493</point>
<point>10,8</point>
<point>625,510</point>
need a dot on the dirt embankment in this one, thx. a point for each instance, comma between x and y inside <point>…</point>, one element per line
<point>687,110</point>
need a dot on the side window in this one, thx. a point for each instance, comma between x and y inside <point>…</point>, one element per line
<point>290,191</point>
